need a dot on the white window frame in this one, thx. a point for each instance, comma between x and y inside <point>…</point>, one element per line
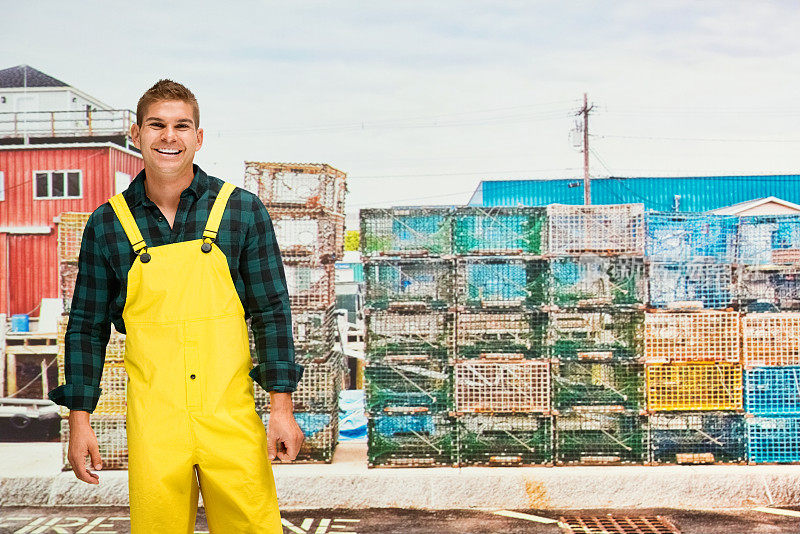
<point>2,185</point>
<point>50,182</point>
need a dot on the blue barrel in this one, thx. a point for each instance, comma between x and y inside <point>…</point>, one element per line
<point>19,322</point>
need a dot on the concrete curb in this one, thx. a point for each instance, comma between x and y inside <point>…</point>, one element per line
<point>347,483</point>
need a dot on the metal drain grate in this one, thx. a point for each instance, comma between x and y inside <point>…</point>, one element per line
<point>618,524</point>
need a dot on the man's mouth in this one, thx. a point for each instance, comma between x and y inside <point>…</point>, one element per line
<point>168,151</point>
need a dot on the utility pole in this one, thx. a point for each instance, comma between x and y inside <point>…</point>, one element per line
<point>587,182</point>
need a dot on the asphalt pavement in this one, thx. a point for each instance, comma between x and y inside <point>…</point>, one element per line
<point>115,520</point>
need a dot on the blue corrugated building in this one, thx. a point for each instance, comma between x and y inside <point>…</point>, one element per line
<point>689,193</point>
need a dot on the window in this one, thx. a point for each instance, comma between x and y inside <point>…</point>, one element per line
<point>57,184</point>
<point>2,185</point>
<point>121,181</point>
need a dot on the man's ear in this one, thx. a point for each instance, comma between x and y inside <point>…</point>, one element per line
<point>135,135</point>
<point>199,138</point>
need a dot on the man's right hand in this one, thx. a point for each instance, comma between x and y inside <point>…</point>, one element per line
<point>83,443</point>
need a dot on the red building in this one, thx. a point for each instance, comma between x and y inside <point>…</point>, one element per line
<point>72,156</point>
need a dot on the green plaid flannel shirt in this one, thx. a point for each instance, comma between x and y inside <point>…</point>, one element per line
<point>246,237</point>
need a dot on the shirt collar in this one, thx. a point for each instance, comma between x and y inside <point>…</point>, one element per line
<point>135,193</point>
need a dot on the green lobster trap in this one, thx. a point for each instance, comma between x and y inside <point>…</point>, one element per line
<point>596,335</point>
<point>599,438</point>
<point>499,230</point>
<point>392,334</point>
<point>596,281</point>
<point>409,283</point>
<point>484,333</point>
<point>598,386</point>
<point>411,440</point>
<point>411,386</point>
<point>504,440</point>
<point>420,231</point>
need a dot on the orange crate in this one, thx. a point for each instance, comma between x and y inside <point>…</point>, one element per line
<point>771,339</point>
<point>684,337</point>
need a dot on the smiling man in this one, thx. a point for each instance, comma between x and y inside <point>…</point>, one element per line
<point>178,262</point>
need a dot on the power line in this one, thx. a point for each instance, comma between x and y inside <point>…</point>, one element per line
<point>715,139</point>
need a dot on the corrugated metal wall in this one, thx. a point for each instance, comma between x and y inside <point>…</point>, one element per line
<point>29,262</point>
<point>696,193</point>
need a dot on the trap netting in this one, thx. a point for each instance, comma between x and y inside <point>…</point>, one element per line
<point>697,438</point>
<point>504,440</point>
<point>70,232</point>
<point>600,335</point>
<point>614,229</point>
<point>501,282</point>
<point>406,231</point>
<point>599,438</point>
<point>411,440</point>
<point>694,386</point>
<point>598,386</point>
<point>778,286</point>
<point>394,387</point>
<point>402,283</point>
<point>308,233</point>
<point>296,185</point>
<point>769,239</point>
<point>709,285</point>
<point>311,284</point>
<point>773,391</point>
<point>502,386</point>
<point>773,439</point>
<point>394,334</point>
<point>318,389</point>
<point>498,230</point>
<point>679,237</point>
<point>593,281</point>
<point>771,339</point>
<point>704,336</point>
<point>486,333</point>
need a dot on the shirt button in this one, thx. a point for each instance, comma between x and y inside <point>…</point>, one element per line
<point>191,376</point>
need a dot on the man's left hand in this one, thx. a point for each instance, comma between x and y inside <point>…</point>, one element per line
<point>284,436</point>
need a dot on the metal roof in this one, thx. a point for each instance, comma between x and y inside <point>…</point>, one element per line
<point>689,193</point>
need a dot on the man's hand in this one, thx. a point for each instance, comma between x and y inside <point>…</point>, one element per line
<point>82,443</point>
<point>284,436</point>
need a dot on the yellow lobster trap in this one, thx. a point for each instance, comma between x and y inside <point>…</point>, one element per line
<point>694,386</point>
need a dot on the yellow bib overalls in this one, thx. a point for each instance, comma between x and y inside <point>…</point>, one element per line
<point>190,399</point>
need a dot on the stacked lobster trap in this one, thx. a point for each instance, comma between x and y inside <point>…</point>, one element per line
<point>694,387</point>
<point>596,297</point>
<point>501,368</point>
<point>771,354</point>
<point>691,259</point>
<point>108,418</point>
<point>306,206</point>
<point>409,296</point>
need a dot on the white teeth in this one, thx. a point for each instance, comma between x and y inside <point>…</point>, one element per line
<point>167,151</point>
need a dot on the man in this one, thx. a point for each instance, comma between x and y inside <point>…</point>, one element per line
<point>177,262</point>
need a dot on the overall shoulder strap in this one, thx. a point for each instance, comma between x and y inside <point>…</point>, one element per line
<point>215,217</point>
<point>125,216</point>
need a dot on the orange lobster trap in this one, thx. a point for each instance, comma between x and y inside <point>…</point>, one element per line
<point>687,337</point>
<point>771,339</point>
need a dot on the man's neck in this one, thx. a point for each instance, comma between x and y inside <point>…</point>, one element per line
<point>164,190</point>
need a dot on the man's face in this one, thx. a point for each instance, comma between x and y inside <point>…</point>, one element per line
<point>168,137</point>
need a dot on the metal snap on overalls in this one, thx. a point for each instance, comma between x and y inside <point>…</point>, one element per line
<point>190,399</point>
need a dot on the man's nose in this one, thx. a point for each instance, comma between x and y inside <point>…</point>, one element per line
<point>169,133</point>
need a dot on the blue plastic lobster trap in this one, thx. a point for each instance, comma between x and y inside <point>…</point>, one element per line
<point>674,237</point>
<point>773,439</point>
<point>773,390</point>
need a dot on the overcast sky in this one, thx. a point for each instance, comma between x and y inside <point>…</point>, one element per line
<point>419,101</point>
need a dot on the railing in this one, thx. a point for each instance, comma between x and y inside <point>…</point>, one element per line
<point>78,123</point>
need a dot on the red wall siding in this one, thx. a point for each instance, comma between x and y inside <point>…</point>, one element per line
<point>31,275</point>
<point>30,272</point>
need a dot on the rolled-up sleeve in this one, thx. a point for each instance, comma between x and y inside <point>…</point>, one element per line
<point>89,326</point>
<point>267,302</point>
